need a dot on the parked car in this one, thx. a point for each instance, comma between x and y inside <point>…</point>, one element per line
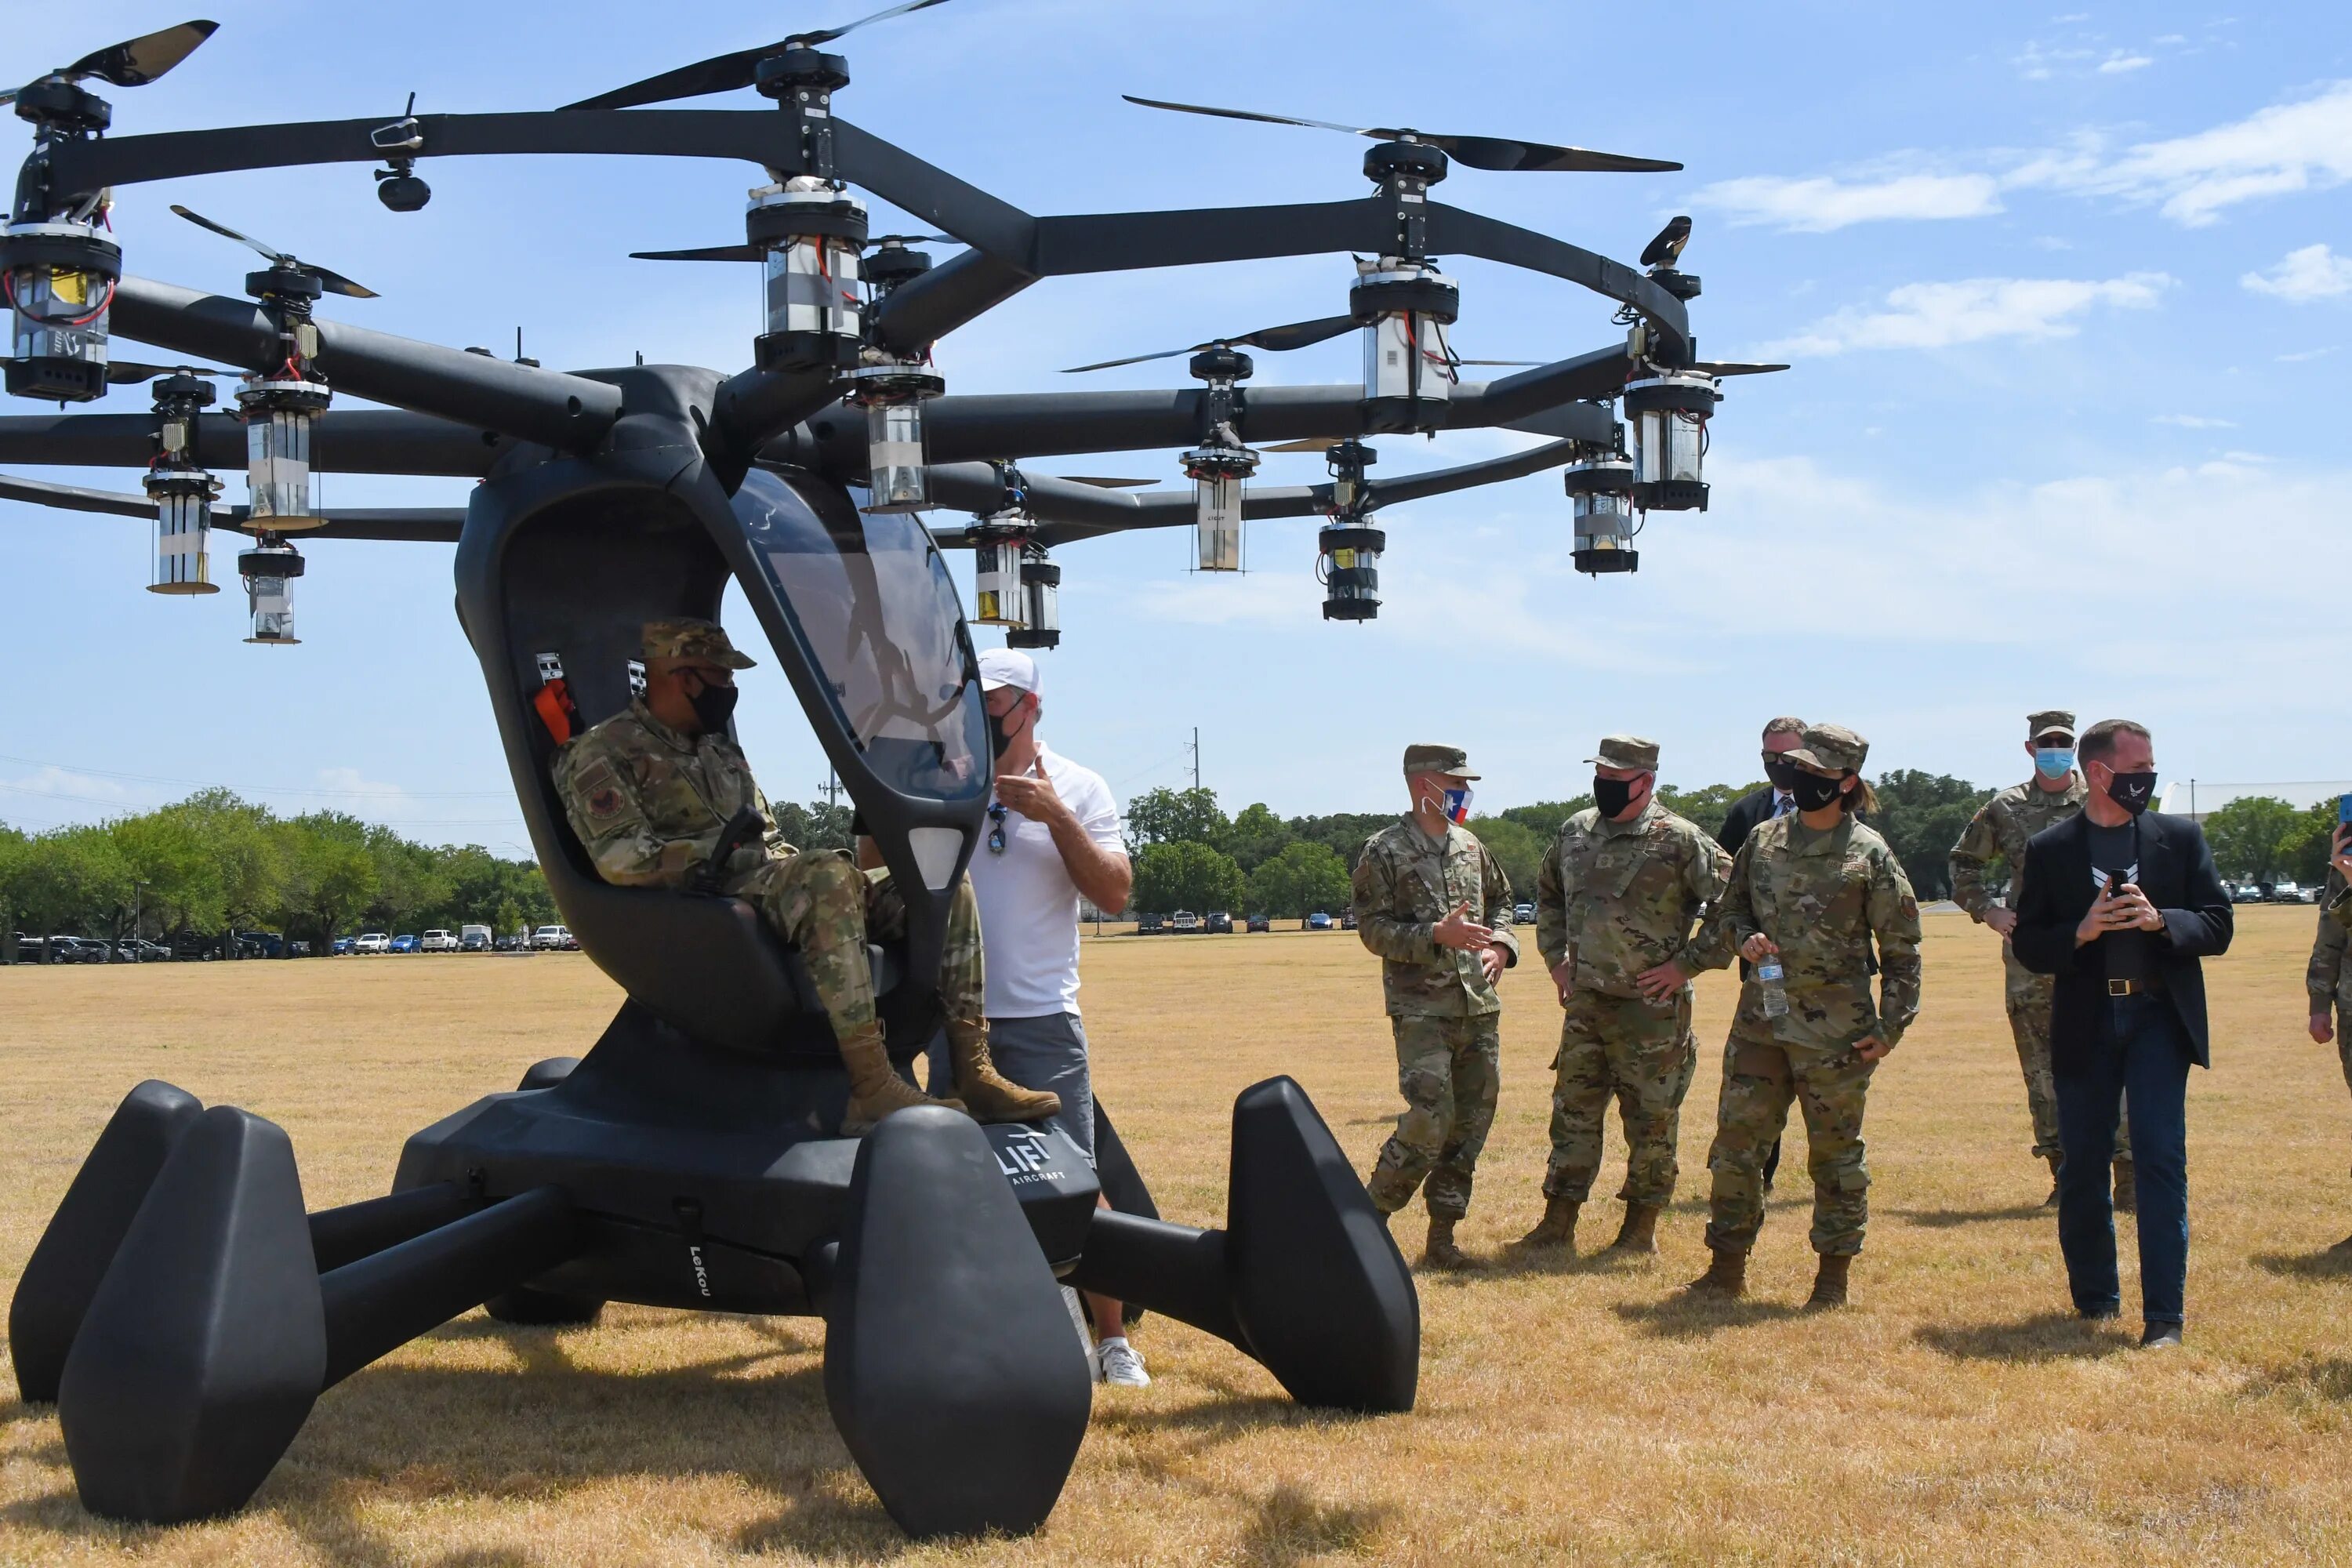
<point>190,946</point>
<point>1148,925</point>
<point>371,941</point>
<point>551,938</point>
<point>1220,924</point>
<point>1318,920</point>
<point>1184,922</point>
<point>519,943</point>
<point>139,950</point>
<point>1522,914</point>
<point>2288,893</point>
<point>473,939</point>
<point>437,941</point>
<point>1259,922</point>
<point>403,944</point>
<point>1348,919</point>
<point>2246,894</point>
<point>342,948</point>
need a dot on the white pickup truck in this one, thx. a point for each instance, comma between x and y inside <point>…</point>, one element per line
<point>551,938</point>
<point>437,941</point>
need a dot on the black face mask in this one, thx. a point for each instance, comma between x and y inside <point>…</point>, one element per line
<point>1812,790</point>
<point>2133,791</point>
<point>1000,739</point>
<point>713,706</point>
<point>1612,795</point>
<point>1783,776</point>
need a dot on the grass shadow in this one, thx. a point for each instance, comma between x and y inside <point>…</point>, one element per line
<point>2326,1264</point>
<point>1945,1220</point>
<point>2044,1337</point>
<point>2309,1381</point>
<point>1291,1527</point>
<point>1689,1316</point>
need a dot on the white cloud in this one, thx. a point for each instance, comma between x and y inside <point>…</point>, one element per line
<point>2302,355</point>
<point>2195,422</point>
<point>2314,272</point>
<point>2119,62</point>
<point>1940,315</point>
<point>1819,204</point>
<point>2278,151</point>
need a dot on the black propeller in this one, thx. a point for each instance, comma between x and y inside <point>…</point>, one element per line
<point>1478,151</point>
<point>1733,367</point>
<point>725,73</point>
<point>134,63</point>
<point>1275,340</point>
<point>1668,248</point>
<point>1098,481</point>
<point>129,371</point>
<point>73,498</point>
<point>333,282</point>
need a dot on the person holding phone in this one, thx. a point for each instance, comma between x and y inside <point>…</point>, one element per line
<point>2120,903</point>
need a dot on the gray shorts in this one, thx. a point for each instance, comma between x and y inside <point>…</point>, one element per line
<point>1050,1053</point>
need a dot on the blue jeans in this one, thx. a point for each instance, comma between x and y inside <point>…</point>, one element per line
<point>2142,1057</point>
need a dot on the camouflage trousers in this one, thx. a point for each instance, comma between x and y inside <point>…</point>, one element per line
<point>823,905</point>
<point>1760,1075</point>
<point>2027,997</point>
<point>1446,1070</point>
<point>1639,1053</point>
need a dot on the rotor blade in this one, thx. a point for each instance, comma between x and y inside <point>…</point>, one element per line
<point>1667,247</point>
<point>127,371</point>
<point>334,282</point>
<point>1098,481</point>
<point>1524,361</point>
<point>1567,422</point>
<point>913,239</point>
<point>1734,367</point>
<point>73,498</point>
<point>1302,446</point>
<point>1297,334</point>
<point>1247,114</point>
<point>7,97</point>
<point>138,61</point>
<point>1135,359</point>
<point>203,222</point>
<point>829,33</point>
<point>707,253</point>
<point>1537,157</point>
<point>719,73</point>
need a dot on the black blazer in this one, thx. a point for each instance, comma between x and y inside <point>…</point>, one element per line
<point>1746,815</point>
<point>2176,872</point>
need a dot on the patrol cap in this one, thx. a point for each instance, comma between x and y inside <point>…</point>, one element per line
<point>687,636</point>
<point>1627,751</point>
<point>1451,761</point>
<point>1007,667</point>
<point>2049,721</point>
<point>1832,748</point>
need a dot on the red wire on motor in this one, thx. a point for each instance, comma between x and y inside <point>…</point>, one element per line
<point>8,287</point>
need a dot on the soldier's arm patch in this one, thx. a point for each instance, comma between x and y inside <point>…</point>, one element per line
<point>599,791</point>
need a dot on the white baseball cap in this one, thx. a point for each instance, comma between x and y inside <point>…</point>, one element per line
<point>1007,667</point>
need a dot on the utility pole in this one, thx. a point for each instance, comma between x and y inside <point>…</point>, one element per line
<point>832,789</point>
<point>1195,750</point>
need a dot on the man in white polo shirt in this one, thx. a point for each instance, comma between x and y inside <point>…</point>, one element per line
<point>1053,835</point>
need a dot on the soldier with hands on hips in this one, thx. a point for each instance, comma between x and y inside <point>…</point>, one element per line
<point>1616,899</point>
<point>1431,900</point>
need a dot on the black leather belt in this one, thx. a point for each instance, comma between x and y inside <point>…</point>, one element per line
<point>2128,988</point>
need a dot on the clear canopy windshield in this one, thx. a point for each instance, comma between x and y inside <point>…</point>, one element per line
<point>875,601</point>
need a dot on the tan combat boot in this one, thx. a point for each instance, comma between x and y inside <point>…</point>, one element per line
<point>2126,1190</point>
<point>1726,1276</point>
<point>2051,1201</point>
<point>987,1093</point>
<point>1440,1251</point>
<point>1558,1226</point>
<point>875,1091</point>
<point>1828,1283</point>
<point>1640,1231</point>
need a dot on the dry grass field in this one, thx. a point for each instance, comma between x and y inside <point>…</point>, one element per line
<point>1572,1413</point>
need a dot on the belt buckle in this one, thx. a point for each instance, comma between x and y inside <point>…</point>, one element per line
<point>2119,987</point>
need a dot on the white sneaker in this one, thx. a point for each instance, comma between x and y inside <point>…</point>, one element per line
<point>1116,1363</point>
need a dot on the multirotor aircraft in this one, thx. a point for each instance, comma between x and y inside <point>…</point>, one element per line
<point>182,1308</point>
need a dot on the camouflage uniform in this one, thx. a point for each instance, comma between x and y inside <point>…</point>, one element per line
<point>1616,899</point>
<point>1999,831</point>
<point>648,804</point>
<point>2329,978</point>
<point>1822,897</point>
<point>1444,1014</point>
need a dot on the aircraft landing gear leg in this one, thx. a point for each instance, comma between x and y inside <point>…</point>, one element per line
<point>62,1275</point>
<point>950,1363</point>
<point>207,1343</point>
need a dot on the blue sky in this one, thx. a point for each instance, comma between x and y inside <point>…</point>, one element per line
<point>2070,296</point>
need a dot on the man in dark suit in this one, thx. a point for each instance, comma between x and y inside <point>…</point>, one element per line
<point>2119,904</point>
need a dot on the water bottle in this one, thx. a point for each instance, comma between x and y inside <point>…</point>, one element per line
<point>1768,980</point>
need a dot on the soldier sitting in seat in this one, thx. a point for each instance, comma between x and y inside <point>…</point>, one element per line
<point>649,792</point>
